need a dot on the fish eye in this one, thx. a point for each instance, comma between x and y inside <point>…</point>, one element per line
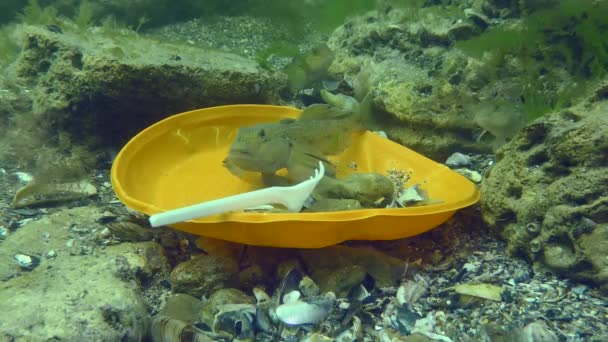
<point>262,134</point>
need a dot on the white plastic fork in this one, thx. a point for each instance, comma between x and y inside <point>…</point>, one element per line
<point>292,197</point>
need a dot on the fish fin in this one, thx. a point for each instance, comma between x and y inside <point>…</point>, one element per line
<point>233,168</point>
<point>321,111</point>
<point>271,179</point>
<point>365,112</point>
<point>304,160</point>
<point>344,102</point>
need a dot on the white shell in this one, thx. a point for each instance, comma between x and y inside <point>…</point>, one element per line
<point>298,312</point>
<point>24,260</point>
<point>291,296</point>
<point>458,159</point>
<point>24,177</point>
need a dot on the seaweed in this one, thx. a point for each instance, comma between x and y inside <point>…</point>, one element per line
<point>9,48</point>
<point>331,14</point>
<point>573,31</point>
<point>568,36</point>
<point>84,16</point>
<point>34,14</point>
<point>141,21</point>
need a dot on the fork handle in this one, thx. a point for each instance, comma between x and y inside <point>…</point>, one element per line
<point>218,206</point>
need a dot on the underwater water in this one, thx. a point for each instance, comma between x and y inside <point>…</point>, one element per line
<point>464,149</point>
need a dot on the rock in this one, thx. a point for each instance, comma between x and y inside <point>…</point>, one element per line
<point>417,84</point>
<point>219,247</point>
<point>204,274</point>
<point>98,290</point>
<point>594,246</point>
<point>257,262</point>
<point>252,276</point>
<point>458,159</point>
<point>396,336</point>
<point>333,204</point>
<point>340,280</point>
<point>364,188</point>
<point>546,192</point>
<point>222,297</point>
<point>118,83</point>
<point>182,307</point>
<point>385,269</point>
<point>537,331</point>
<point>471,175</point>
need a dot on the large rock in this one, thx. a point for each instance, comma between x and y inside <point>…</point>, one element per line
<point>148,12</point>
<point>74,294</point>
<point>114,83</point>
<point>547,196</point>
<point>337,267</point>
<point>418,84</point>
<point>204,274</point>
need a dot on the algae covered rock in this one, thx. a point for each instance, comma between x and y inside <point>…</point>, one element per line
<point>204,274</point>
<point>113,84</point>
<point>547,196</point>
<point>332,266</point>
<point>420,87</point>
<point>75,287</point>
<point>219,298</point>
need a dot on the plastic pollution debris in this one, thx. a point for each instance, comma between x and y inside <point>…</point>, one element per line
<point>293,197</point>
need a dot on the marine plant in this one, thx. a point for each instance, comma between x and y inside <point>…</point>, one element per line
<point>34,14</point>
<point>567,36</point>
<point>84,16</point>
<point>9,48</point>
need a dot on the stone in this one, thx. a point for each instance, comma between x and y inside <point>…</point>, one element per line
<point>182,307</point>
<point>119,83</point>
<point>385,270</point>
<point>416,104</point>
<point>546,193</point>
<point>222,297</point>
<point>95,288</point>
<point>204,274</point>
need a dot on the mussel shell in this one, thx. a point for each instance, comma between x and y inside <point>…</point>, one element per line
<point>129,231</point>
<point>291,282</point>
<point>167,329</point>
<point>236,320</point>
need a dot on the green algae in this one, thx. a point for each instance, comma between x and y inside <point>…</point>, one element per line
<point>567,36</point>
<point>9,48</point>
<point>35,14</point>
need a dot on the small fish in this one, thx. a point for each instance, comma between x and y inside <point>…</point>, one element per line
<point>501,118</point>
<point>296,145</point>
<point>309,68</point>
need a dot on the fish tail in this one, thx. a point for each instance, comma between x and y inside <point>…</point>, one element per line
<point>365,112</point>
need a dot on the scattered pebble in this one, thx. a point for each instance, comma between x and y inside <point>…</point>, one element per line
<point>27,262</point>
<point>458,159</point>
<point>382,134</point>
<point>51,254</point>
<point>411,195</point>
<point>24,177</point>
<point>472,175</point>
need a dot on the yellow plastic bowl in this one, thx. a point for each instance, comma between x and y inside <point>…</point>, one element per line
<point>178,162</point>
